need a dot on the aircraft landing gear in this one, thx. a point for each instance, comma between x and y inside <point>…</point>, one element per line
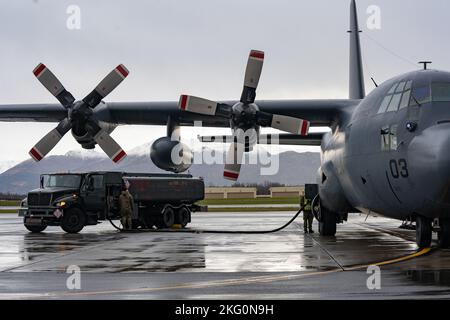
<point>424,231</point>
<point>444,233</point>
<point>327,222</point>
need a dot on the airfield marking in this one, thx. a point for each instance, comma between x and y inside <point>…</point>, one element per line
<point>230,282</point>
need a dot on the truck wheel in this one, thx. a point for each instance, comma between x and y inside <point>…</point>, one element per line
<point>424,232</point>
<point>167,219</point>
<point>444,234</point>
<point>35,229</point>
<point>327,223</point>
<point>183,216</point>
<point>73,220</point>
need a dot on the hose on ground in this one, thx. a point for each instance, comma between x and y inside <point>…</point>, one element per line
<point>213,231</point>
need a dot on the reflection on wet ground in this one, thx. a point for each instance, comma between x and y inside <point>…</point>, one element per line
<point>101,250</point>
<point>430,277</point>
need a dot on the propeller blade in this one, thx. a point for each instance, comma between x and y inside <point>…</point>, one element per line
<point>204,106</point>
<point>290,124</point>
<point>108,84</point>
<point>49,141</point>
<point>49,81</point>
<point>233,161</point>
<point>252,75</point>
<point>109,146</point>
<point>283,123</point>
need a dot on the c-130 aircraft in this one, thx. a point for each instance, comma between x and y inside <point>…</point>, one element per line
<point>386,152</point>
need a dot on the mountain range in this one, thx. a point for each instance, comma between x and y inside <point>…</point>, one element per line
<point>294,168</point>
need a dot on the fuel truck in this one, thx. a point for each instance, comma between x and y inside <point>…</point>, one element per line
<point>75,200</point>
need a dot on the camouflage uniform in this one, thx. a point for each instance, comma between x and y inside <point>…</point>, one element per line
<point>126,209</point>
<point>308,216</point>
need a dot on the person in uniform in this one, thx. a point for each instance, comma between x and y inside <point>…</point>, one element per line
<point>126,207</point>
<point>308,216</point>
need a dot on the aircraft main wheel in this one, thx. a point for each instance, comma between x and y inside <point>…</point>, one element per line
<point>73,220</point>
<point>183,216</point>
<point>327,223</point>
<point>444,234</point>
<point>424,232</point>
<point>35,229</point>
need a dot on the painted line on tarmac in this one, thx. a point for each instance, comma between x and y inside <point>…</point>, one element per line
<point>392,261</point>
<point>219,283</point>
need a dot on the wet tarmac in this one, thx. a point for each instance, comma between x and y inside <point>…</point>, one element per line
<point>284,265</point>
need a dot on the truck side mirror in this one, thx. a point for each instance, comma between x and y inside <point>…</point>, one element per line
<point>42,182</point>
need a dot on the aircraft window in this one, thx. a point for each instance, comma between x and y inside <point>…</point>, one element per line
<point>393,105</point>
<point>384,138</point>
<point>405,99</point>
<point>401,87</point>
<point>384,104</point>
<point>393,88</point>
<point>389,138</point>
<point>408,85</point>
<point>393,137</point>
<point>421,94</point>
<point>441,92</point>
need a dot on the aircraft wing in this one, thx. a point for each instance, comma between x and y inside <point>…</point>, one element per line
<point>318,112</point>
<point>32,112</point>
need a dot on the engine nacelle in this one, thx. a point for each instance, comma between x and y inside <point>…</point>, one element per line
<point>171,155</point>
<point>86,139</point>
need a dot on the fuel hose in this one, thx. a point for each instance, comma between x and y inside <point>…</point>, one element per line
<point>212,231</point>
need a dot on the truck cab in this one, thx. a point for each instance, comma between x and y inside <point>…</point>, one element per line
<point>75,200</point>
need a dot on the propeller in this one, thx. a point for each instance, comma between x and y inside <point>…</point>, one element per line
<point>244,115</point>
<point>79,117</point>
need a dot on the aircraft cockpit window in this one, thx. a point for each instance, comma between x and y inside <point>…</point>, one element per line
<point>397,97</point>
<point>401,86</point>
<point>405,99</point>
<point>421,95</point>
<point>393,105</point>
<point>392,88</point>
<point>441,92</point>
<point>384,104</point>
<point>408,85</point>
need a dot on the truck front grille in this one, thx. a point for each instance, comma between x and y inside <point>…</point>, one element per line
<point>39,199</point>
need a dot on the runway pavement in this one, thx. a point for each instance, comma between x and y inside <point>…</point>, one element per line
<point>284,265</point>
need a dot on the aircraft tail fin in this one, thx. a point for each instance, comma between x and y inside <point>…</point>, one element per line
<point>356,74</point>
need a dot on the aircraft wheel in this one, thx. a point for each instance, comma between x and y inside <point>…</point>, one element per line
<point>424,232</point>
<point>327,223</point>
<point>183,216</point>
<point>35,229</point>
<point>73,220</point>
<point>444,234</point>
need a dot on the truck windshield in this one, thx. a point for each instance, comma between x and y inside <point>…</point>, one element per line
<point>62,180</point>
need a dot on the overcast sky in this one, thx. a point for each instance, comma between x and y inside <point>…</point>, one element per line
<point>200,47</point>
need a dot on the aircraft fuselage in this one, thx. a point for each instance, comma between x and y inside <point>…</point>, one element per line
<point>390,155</point>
